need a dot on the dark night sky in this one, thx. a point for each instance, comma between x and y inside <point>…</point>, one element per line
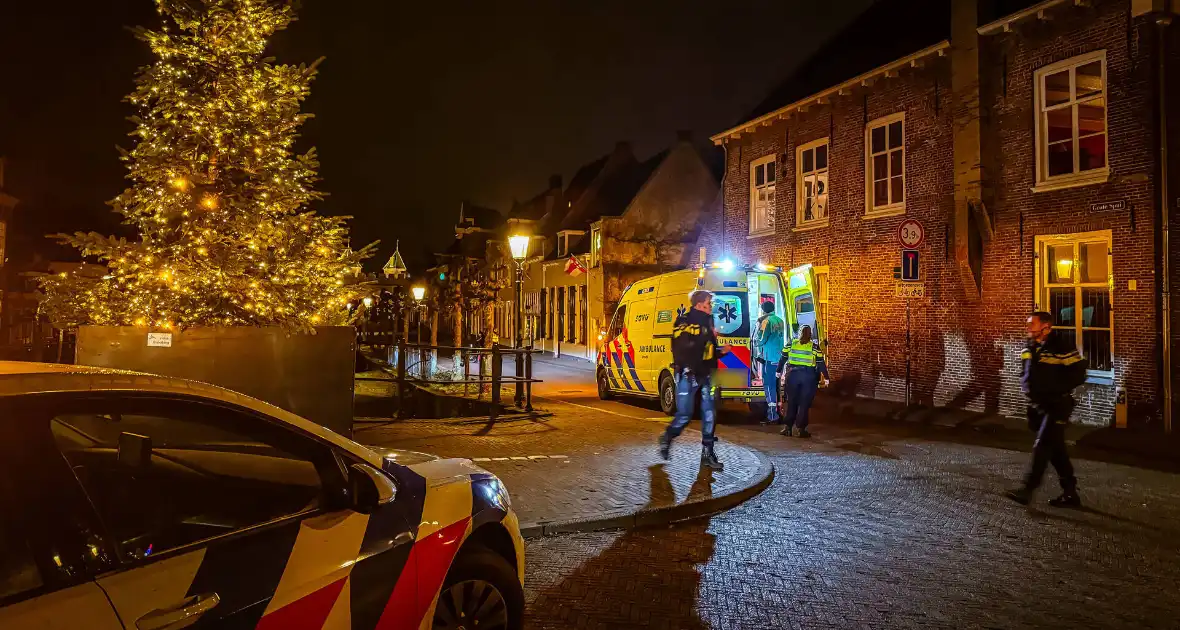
<point>418,105</point>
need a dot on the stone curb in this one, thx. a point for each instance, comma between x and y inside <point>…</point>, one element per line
<point>661,515</point>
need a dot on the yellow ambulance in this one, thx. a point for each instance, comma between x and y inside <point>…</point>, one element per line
<point>635,356</point>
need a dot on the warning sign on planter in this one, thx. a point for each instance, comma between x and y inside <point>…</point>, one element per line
<point>159,340</point>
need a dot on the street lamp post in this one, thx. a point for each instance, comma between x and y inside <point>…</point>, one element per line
<point>519,245</point>
<point>419,293</point>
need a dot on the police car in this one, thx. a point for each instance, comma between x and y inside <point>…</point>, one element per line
<point>131,501</point>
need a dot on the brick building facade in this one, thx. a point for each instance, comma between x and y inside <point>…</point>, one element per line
<point>1024,139</point>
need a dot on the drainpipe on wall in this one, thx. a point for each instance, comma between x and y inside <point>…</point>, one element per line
<point>1163,21</point>
<point>724,175</point>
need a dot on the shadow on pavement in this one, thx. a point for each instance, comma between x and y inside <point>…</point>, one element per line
<point>619,588</point>
<point>868,433</point>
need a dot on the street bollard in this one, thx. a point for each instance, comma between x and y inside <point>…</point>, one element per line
<point>466,369</point>
<point>497,370</point>
<point>519,360</point>
<point>528,374</point>
<point>402,388</point>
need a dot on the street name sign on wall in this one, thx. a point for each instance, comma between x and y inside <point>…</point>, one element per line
<point>1108,206</point>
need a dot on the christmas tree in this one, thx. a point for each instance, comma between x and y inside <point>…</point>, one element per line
<point>218,195</point>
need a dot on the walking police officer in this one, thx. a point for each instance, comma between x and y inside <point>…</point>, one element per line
<point>694,356</point>
<point>1052,369</point>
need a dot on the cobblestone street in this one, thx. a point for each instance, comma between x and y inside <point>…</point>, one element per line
<point>871,524</point>
<point>875,525</point>
<point>881,527</point>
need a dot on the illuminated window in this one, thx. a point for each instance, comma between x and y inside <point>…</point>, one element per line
<point>885,165</point>
<point>762,182</point>
<point>812,178</point>
<point>1074,281</point>
<point>1071,122</point>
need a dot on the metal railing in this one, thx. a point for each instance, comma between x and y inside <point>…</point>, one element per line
<point>418,363</point>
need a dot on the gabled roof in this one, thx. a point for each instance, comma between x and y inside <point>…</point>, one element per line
<point>887,30</point>
<point>584,177</point>
<point>616,193</point>
<point>533,209</point>
<point>471,215</point>
<point>395,261</point>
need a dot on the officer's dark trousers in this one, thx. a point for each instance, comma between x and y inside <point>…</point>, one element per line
<point>1050,449</point>
<point>801,387</point>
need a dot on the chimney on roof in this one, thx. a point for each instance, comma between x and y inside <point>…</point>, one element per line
<point>683,135</point>
<point>555,182</point>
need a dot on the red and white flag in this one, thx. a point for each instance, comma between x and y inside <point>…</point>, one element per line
<point>573,267</point>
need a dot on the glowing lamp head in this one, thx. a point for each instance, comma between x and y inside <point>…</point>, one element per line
<point>368,302</point>
<point>419,293</point>
<point>519,245</point>
<point>726,265</point>
<point>1065,268</point>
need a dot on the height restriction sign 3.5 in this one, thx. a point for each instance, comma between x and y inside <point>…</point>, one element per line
<point>910,234</point>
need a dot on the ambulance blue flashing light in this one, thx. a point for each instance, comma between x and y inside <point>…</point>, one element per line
<point>729,265</point>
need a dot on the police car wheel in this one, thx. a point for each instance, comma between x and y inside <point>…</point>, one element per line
<point>667,394</point>
<point>604,392</point>
<point>481,591</point>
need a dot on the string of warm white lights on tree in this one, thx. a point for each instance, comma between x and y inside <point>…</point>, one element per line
<point>217,193</point>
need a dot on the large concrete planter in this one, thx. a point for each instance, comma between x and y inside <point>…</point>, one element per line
<point>309,375</point>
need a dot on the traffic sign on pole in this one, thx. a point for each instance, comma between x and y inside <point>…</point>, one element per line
<point>911,234</point>
<point>909,266</point>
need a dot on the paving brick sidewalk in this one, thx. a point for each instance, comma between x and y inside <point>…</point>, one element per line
<point>574,468</point>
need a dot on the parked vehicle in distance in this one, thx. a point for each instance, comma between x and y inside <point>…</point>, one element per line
<point>635,358</point>
<point>140,501</point>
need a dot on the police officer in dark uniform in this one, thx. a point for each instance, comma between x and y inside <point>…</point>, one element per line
<point>694,356</point>
<point>1052,369</point>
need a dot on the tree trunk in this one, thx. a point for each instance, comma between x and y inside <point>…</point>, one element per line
<point>457,326</point>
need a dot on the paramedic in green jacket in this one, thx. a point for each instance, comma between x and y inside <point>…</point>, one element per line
<point>768,348</point>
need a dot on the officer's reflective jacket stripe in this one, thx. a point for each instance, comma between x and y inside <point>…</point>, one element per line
<point>1052,369</point>
<point>802,354</point>
<point>1050,358</point>
<point>694,346</point>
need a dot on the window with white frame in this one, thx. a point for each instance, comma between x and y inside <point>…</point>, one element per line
<point>762,181</point>
<point>885,165</point>
<point>1071,121</point>
<point>812,178</point>
<point>1074,281</point>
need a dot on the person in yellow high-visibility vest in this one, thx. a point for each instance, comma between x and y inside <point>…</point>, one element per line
<point>805,364</point>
